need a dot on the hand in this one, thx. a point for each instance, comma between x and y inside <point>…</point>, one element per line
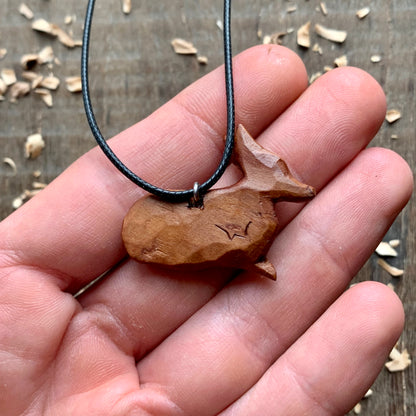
<point>150,342</point>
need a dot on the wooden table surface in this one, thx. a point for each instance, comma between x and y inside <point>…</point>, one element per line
<point>134,71</point>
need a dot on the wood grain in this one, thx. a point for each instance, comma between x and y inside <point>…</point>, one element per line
<point>134,71</point>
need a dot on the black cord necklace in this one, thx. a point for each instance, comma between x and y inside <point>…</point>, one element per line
<point>172,196</point>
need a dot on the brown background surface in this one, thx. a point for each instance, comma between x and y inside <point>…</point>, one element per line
<point>133,71</point>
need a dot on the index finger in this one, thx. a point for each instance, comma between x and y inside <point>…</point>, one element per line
<point>73,227</point>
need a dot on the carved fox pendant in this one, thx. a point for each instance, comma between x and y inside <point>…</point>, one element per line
<point>234,229</point>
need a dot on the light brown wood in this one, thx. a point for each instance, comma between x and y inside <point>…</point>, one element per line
<point>235,227</point>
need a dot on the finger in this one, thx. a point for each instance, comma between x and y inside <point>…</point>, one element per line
<point>75,223</point>
<point>330,368</point>
<point>250,323</point>
<point>173,300</point>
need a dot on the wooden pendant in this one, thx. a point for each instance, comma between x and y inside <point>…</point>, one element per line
<point>235,228</point>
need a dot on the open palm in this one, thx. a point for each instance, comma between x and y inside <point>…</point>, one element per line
<point>151,342</point>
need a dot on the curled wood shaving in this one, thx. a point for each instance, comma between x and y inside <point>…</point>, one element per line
<point>341,61</point>
<point>8,76</point>
<point>183,47</point>
<point>333,35</point>
<point>9,161</point>
<point>45,96</point>
<point>324,10</point>
<point>303,35</point>
<point>3,52</point>
<point>385,249</point>
<point>34,146</point>
<point>393,115</point>
<point>25,11</point>
<point>126,6</point>
<point>41,25</point>
<point>18,90</point>
<point>73,84</point>
<point>29,60</point>
<point>51,83</point>
<point>362,12</point>
<point>375,59</point>
<point>399,360</point>
<point>393,271</point>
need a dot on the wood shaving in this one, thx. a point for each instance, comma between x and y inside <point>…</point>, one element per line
<point>46,55</point>
<point>29,60</point>
<point>36,82</point>
<point>316,48</point>
<point>385,249</point>
<point>45,96</point>
<point>394,243</point>
<point>34,146</point>
<point>30,75</point>
<point>274,39</point>
<point>18,90</point>
<point>390,286</point>
<point>368,394</point>
<point>17,202</point>
<point>291,8</point>
<point>203,60</point>
<point>183,47</point>
<point>324,10</point>
<point>357,409</point>
<point>391,115</point>
<point>41,25</point>
<point>341,61</point>
<point>328,68</point>
<point>51,83</point>
<point>36,174</point>
<point>73,84</point>
<point>126,6</point>
<point>393,271</point>
<point>332,35</point>
<point>68,20</point>
<point>39,185</point>
<point>314,77</point>
<point>220,25</point>
<point>3,87</point>
<point>399,360</point>
<point>394,137</point>
<point>9,161</point>
<point>375,59</point>
<point>362,12</point>
<point>303,35</point>
<point>3,52</point>
<point>25,11</point>
<point>8,76</point>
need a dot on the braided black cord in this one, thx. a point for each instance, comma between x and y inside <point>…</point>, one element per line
<point>173,196</point>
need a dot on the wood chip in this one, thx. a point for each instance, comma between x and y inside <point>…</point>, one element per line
<point>9,161</point>
<point>375,59</point>
<point>18,90</point>
<point>316,48</point>
<point>17,202</point>
<point>332,35</point>
<point>391,115</point>
<point>3,52</point>
<point>39,185</point>
<point>46,55</point>
<point>385,249</point>
<point>41,25</point>
<point>183,47</point>
<point>274,39</point>
<point>36,174</point>
<point>328,68</point>
<point>73,84</point>
<point>394,243</point>
<point>324,10</point>
<point>51,83</point>
<point>399,360</point>
<point>36,82</point>
<point>362,12</point>
<point>368,394</point>
<point>357,409</point>
<point>68,19</point>
<point>126,6</point>
<point>394,271</point>
<point>29,60</point>
<point>8,76</point>
<point>34,146</point>
<point>203,60</point>
<point>303,35</point>
<point>45,95</point>
<point>341,61</point>
<point>291,8</point>
<point>25,11</point>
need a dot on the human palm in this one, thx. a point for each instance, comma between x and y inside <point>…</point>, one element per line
<point>146,341</point>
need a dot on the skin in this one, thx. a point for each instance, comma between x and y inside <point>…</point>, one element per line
<point>150,342</point>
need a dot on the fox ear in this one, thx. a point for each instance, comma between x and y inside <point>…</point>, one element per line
<point>249,155</point>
